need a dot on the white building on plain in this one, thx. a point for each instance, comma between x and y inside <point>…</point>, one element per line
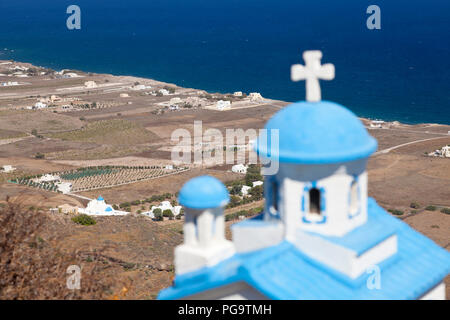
<point>90,84</point>
<point>8,168</point>
<point>245,190</point>
<point>64,187</point>
<point>223,105</point>
<point>445,151</point>
<point>257,183</point>
<point>239,168</point>
<point>10,84</point>
<point>48,178</point>
<point>165,205</point>
<point>175,100</point>
<point>140,87</point>
<point>98,207</point>
<point>256,97</point>
<point>40,105</point>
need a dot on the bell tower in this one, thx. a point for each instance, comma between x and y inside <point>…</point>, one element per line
<point>204,199</point>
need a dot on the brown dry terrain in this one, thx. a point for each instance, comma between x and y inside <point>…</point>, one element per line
<point>136,130</point>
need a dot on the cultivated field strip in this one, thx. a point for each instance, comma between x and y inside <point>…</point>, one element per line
<point>92,178</point>
<point>121,177</point>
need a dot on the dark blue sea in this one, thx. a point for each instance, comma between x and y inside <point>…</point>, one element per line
<point>401,72</point>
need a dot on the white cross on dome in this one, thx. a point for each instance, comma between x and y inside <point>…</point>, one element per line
<point>311,72</point>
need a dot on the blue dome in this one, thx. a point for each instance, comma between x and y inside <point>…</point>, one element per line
<point>108,209</point>
<point>317,133</point>
<point>100,198</point>
<point>203,192</point>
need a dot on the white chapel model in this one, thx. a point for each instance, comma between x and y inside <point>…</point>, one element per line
<point>319,236</point>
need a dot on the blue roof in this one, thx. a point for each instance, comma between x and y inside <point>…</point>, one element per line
<point>316,133</point>
<point>108,209</point>
<point>100,198</point>
<point>203,192</point>
<point>361,239</point>
<point>284,272</point>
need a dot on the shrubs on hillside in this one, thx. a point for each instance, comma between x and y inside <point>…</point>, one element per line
<point>396,212</point>
<point>256,193</point>
<point>135,202</point>
<point>253,174</point>
<point>243,213</point>
<point>84,220</point>
<point>168,214</point>
<point>158,214</point>
<point>32,267</point>
<point>39,156</point>
<point>414,205</point>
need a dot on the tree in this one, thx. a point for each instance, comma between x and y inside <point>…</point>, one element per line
<point>253,174</point>
<point>256,193</point>
<point>158,214</point>
<point>168,213</point>
<point>414,205</point>
<point>236,189</point>
<point>124,204</point>
<point>234,201</point>
<point>84,220</point>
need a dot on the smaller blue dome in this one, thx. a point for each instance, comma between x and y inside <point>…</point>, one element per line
<point>203,192</point>
<point>317,133</point>
<point>108,209</point>
<point>100,198</point>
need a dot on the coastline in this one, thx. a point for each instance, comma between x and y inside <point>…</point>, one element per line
<point>364,118</point>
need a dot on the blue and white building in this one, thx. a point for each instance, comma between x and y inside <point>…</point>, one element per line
<point>320,236</point>
<point>98,207</point>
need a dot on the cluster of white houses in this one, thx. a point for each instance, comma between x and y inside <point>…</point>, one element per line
<point>239,168</point>
<point>246,189</point>
<point>62,186</point>
<point>165,205</point>
<point>10,84</point>
<point>99,207</point>
<point>443,152</point>
<point>7,168</point>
